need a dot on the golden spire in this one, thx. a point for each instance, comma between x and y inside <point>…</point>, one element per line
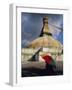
<point>45,26</point>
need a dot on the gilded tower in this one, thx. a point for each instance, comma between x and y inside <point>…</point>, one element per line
<point>45,30</point>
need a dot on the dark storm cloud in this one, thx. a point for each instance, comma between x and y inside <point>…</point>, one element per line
<point>31,25</point>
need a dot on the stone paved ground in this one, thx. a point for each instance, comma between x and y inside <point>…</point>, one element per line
<point>39,69</point>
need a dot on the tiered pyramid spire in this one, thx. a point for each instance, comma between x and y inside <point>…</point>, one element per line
<point>45,30</point>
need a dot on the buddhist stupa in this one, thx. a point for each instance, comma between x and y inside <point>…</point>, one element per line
<point>45,39</point>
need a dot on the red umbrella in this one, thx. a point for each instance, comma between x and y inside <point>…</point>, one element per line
<point>48,59</point>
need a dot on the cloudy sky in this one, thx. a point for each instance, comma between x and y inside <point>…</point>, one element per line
<point>32,23</point>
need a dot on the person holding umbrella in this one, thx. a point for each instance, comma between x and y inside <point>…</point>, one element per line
<point>50,63</point>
